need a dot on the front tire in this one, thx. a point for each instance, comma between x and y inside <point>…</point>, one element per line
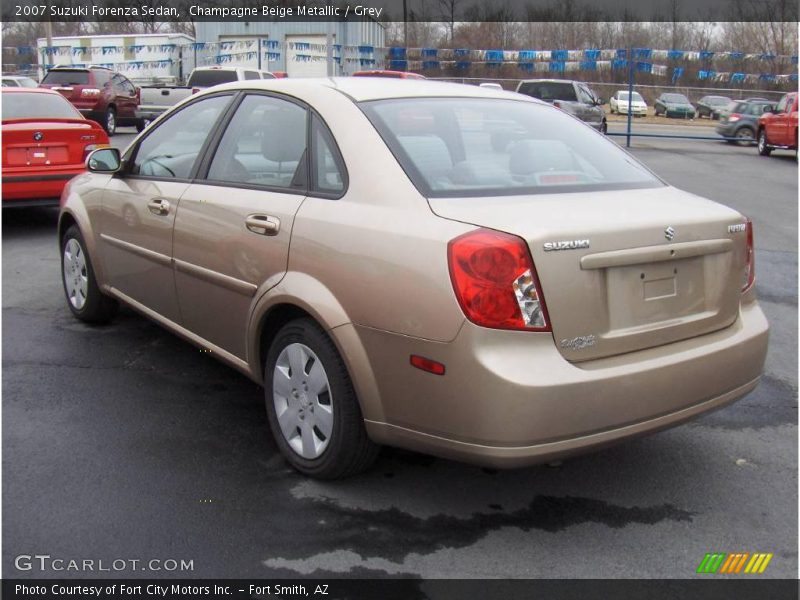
<point>312,407</point>
<point>604,128</point>
<point>141,125</point>
<point>84,298</point>
<point>763,147</point>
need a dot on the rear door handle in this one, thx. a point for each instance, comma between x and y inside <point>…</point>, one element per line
<point>263,224</point>
<point>159,206</point>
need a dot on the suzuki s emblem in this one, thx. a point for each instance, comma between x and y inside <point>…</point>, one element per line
<point>669,233</point>
<point>38,136</point>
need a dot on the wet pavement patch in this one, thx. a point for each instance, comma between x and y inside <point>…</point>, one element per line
<point>771,404</point>
<point>393,534</point>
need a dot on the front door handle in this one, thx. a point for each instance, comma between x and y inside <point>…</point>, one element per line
<point>159,206</point>
<point>263,224</point>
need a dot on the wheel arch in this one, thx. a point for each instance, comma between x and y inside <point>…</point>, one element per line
<point>74,213</point>
<point>289,300</point>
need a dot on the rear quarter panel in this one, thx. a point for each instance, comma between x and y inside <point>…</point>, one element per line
<point>379,250</point>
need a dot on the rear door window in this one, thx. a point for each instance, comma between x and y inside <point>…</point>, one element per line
<point>251,75</point>
<point>264,144</point>
<point>66,77</point>
<point>328,173</point>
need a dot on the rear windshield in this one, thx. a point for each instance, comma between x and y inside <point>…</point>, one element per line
<point>209,78</point>
<point>63,76</point>
<point>35,105</point>
<point>549,90</point>
<point>492,147</point>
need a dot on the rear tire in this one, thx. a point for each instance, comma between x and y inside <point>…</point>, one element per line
<point>763,147</point>
<point>604,128</point>
<point>110,121</point>
<point>84,298</point>
<point>312,407</point>
<point>745,136</point>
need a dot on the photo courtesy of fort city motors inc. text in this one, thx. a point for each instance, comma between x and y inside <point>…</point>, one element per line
<point>414,299</point>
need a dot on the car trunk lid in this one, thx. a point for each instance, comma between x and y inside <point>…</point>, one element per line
<point>47,142</point>
<point>622,270</point>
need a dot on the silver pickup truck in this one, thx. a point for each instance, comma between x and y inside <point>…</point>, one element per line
<point>574,97</point>
<point>160,97</point>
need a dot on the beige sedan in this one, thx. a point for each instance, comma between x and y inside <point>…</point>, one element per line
<point>451,269</point>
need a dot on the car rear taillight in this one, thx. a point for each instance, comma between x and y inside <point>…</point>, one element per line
<point>556,103</point>
<point>750,265</point>
<point>495,281</point>
<point>90,93</point>
<point>91,148</point>
<point>195,90</point>
<point>734,117</point>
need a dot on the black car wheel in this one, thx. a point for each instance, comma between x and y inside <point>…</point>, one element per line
<point>763,147</point>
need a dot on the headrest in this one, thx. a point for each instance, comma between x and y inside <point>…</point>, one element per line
<point>537,156</point>
<point>282,135</point>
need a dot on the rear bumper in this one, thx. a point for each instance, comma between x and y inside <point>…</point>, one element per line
<point>623,110</point>
<point>42,185</point>
<point>151,113</point>
<point>509,399</point>
<point>680,114</point>
<point>725,129</point>
<point>93,115</point>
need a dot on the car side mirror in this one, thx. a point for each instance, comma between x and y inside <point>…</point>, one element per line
<point>104,160</point>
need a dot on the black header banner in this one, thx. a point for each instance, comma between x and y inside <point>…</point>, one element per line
<point>401,11</point>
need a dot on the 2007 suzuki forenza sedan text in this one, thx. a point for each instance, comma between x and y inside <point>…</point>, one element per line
<point>451,269</point>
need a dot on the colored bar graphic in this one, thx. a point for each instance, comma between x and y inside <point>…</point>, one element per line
<point>711,563</point>
<point>729,564</point>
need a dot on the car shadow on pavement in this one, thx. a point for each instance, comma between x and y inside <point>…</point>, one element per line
<point>23,222</point>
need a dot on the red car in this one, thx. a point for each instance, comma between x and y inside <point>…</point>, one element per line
<point>45,143</point>
<point>99,93</point>
<point>778,128</point>
<point>396,74</point>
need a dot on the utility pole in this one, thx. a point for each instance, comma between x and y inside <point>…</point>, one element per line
<point>48,32</point>
<point>405,24</point>
<point>329,49</point>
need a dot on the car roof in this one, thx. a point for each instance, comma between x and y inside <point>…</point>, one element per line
<point>549,80</point>
<point>75,68</point>
<point>31,90</point>
<point>361,89</point>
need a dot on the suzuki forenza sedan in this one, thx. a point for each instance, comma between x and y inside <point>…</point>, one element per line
<point>456,270</point>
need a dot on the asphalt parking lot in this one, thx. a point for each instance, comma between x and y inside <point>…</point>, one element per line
<point>125,442</point>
